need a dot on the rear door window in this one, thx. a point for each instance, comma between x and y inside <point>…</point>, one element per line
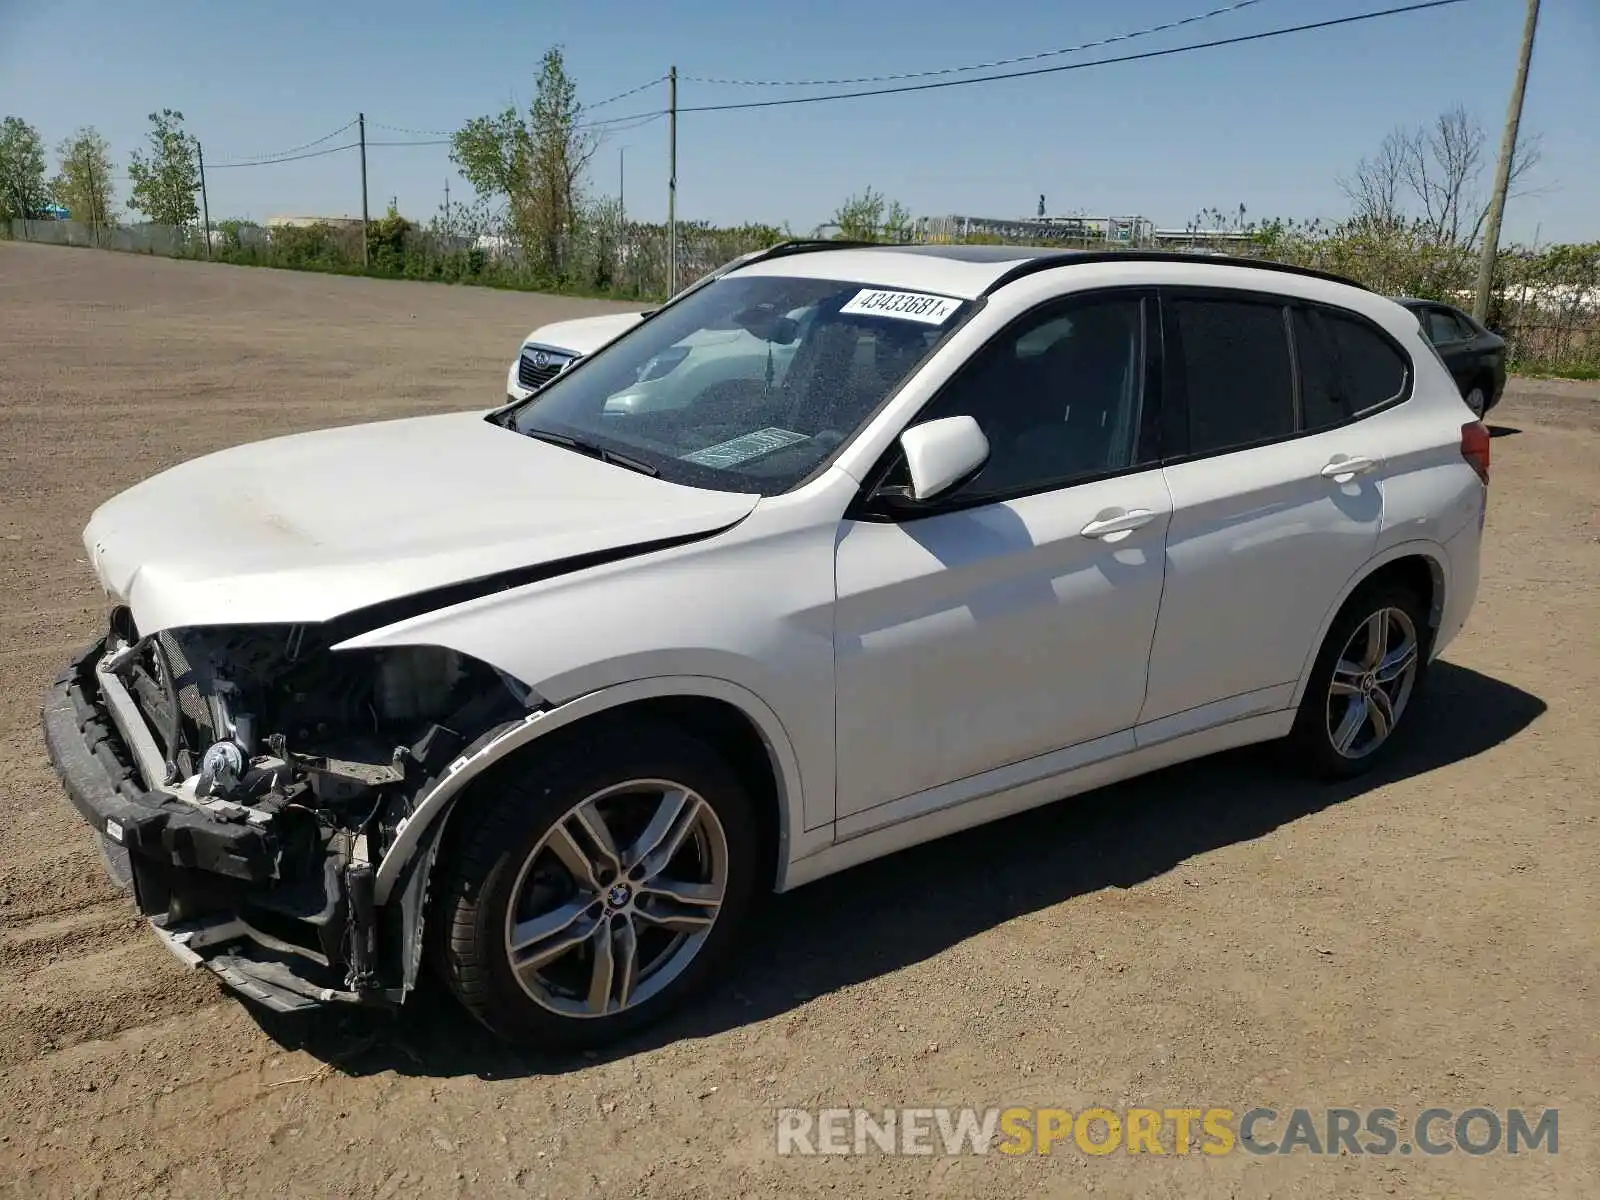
<point>1322,402</point>
<point>1234,365</point>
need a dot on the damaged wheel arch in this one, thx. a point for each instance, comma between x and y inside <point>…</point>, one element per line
<point>774,777</point>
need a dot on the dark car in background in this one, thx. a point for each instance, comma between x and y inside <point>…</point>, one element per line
<point>1475,356</point>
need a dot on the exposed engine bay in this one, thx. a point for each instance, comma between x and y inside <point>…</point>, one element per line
<point>276,773</point>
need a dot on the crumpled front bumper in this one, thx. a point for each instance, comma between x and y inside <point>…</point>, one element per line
<point>166,852</point>
<point>93,763</point>
<point>97,767</point>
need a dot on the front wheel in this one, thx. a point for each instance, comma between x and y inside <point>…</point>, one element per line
<point>1364,680</point>
<point>598,887</point>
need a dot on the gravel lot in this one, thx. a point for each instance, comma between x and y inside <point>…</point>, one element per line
<point>1216,935</point>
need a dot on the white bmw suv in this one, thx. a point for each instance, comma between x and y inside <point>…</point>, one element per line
<point>557,690</point>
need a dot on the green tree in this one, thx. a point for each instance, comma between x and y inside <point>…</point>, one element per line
<point>386,241</point>
<point>165,183</point>
<point>535,162</point>
<point>83,183</point>
<point>22,188</point>
<point>871,218</point>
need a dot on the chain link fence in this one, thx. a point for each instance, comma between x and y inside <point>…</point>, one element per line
<point>625,260</point>
<point>171,241</point>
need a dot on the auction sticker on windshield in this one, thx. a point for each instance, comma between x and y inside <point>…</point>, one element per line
<point>745,447</point>
<point>908,306</point>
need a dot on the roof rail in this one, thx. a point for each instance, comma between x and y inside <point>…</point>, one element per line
<point>792,246</point>
<point>1045,262</point>
<point>806,246</point>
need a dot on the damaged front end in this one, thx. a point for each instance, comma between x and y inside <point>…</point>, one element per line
<point>248,782</point>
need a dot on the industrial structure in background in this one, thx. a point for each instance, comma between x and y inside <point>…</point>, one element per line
<point>345,222</point>
<point>1126,232</point>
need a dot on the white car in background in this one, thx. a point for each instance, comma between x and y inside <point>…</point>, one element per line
<point>551,349</point>
<point>553,692</point>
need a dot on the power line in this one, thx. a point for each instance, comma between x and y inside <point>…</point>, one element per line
<point>642,120</point>
<point>982,66</point>
<point>634,91</point>
<point>1098,62</point>
<point>642,117</point>
<point>639,119</point>
<point>616,125</point>
<point>413,132</point>
<point>445,133</point>
<point>253,159</point>
<point>272,162</point>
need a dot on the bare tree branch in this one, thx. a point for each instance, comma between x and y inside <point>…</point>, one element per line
<point>1374,189</point>
<point>1435,172</point>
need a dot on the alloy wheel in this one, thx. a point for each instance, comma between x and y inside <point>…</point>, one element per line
<point>617,898</point>
<point>1372,683</point>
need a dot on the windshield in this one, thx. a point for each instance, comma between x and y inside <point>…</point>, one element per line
<point>748,384</point>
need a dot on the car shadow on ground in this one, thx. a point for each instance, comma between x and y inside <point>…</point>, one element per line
<point>899,910</point>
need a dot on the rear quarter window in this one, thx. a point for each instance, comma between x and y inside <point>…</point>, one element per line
<point>1371,371</point>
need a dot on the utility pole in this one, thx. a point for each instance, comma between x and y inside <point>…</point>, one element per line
<point>1502,177</point>
<point>672,182</point>
<point>205,203</point>
<point>94,202</point>
<point>447,208</point>
<point>361,125</point>
<point>622,186</point>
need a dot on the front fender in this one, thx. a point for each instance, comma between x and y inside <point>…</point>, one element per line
<point>418,834</point>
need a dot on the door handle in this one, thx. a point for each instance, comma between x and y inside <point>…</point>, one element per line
<point>1343,470</point>
<point>1105,527</point>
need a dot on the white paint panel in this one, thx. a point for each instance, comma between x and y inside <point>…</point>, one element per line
<point>983,637</point>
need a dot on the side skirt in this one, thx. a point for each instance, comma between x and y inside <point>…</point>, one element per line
<point>1101,771</point>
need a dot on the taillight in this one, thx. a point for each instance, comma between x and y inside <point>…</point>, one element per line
<point>1475,448</point>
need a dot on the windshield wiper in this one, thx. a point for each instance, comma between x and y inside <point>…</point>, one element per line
<point>593,451</point>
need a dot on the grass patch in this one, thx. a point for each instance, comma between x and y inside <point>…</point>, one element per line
<point>1544,370</point>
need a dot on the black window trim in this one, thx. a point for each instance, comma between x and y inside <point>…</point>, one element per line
<point>1148,425</point>
<point>1175,387</point>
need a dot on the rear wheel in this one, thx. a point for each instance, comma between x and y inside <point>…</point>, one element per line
<point>598,888</point>
<point>1365,677</point>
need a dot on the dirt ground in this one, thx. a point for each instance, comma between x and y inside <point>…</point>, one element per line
<point>1216,935</point>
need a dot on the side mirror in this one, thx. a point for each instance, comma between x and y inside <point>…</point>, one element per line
<point>940,454</point>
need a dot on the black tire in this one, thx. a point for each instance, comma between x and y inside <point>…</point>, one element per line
<point>504,824</point>
<point>1310,747</point>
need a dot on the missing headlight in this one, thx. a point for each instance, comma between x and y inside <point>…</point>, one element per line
<point>416,682</point>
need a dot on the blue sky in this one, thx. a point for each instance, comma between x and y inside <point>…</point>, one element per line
<point>1269,124</point>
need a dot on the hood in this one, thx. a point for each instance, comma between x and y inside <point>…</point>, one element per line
<point>583,335</point>
<point>310,526</point>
